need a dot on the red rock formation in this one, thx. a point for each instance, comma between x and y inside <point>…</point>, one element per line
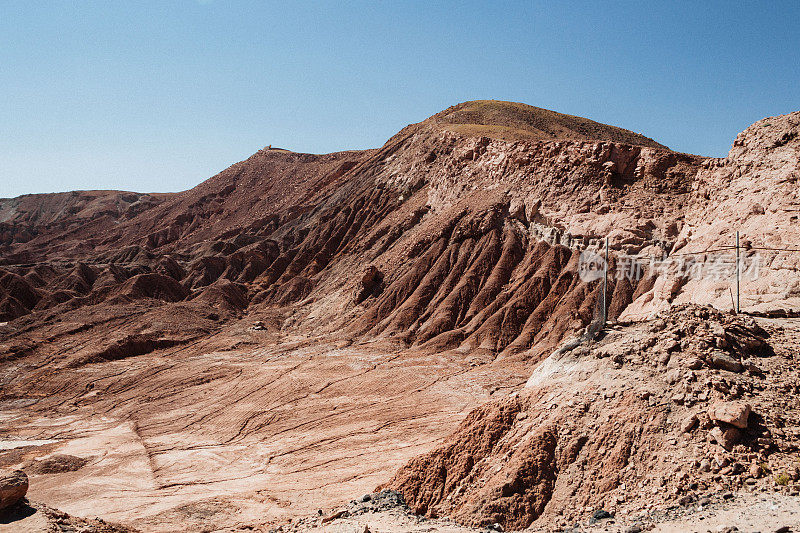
<point>461,235</point>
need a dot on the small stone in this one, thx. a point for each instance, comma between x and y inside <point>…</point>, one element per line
<point>672,345</point>
<point>338,514</point>
<point>633,529</point>
<point>753,368</point>
<point>689,423</point>
<point>694,363</point>
<point>365,498</point>
<point>705,421</point>
<point>601,514</point>
<point>658,325</point>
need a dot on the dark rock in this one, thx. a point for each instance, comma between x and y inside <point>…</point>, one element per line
<point>371,284</point>
<point>724,361</point>
<point>601,514</point>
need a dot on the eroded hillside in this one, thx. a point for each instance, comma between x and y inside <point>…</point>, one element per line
<point>241,335</point>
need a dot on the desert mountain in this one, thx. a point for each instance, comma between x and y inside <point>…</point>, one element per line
<point>234,343</point>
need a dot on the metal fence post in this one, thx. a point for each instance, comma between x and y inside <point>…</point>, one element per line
<point>738,304</point>
<point>605,286</point>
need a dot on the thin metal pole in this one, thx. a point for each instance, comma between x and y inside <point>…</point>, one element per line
<point>738,304</point>
<point>605,285</point>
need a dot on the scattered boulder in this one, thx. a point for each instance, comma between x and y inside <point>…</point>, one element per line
<point>57,464</point>
<point>724,361</point>
<point>733,413</point>
<point>13,487</point>
<point>726,437</point>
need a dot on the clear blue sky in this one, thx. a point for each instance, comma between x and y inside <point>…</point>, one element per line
<point>158,96</point>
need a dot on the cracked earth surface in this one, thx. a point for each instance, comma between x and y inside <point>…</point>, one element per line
<point>260,432</point>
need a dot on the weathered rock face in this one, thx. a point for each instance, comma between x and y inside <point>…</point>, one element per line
<point>752,191</point>
<point>513,495</point>
<point>44,216</point>
<point>13,487</point>
<point>614,424</point>
<point>725,436</point>
<point>290,223</point>
<point>451,219</point>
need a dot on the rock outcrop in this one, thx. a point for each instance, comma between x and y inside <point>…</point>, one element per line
<point>13,487</point>
<point>614,424</point>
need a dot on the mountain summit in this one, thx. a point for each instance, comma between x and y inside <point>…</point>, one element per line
<point>514,121</point>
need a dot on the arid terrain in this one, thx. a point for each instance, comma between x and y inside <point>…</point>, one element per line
<point>399,339</point>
